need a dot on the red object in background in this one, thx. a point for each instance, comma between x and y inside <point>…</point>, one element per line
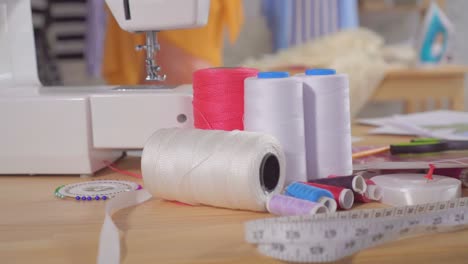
<point>218,97</point>
<point>430,172</point>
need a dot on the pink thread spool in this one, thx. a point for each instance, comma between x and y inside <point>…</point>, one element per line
<point>218,97</point>
<point>288,206</point>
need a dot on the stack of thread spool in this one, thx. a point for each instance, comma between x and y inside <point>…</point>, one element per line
<point>323,196</point>
<point>306,116</point>
<point>309,115</point>
<point>239,170</point>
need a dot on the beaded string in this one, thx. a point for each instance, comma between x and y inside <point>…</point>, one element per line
<point>80,198</point>
<point>84,197</point>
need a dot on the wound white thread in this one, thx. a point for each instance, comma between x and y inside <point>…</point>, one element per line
<point>275,106</point>
<point>327,125</point>
<point>237,170</point>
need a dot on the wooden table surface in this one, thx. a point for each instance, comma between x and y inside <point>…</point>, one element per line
<point>36,227</point>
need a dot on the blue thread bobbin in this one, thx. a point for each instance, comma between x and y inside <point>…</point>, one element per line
<point>313,194</point>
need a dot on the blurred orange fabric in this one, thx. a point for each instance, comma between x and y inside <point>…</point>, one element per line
<point>182,51</point>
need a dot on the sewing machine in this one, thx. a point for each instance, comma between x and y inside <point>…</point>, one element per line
<point>76,130</point>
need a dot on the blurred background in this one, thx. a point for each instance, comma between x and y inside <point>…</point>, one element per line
<point>376,42</point>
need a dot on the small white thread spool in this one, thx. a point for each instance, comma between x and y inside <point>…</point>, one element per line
<point>236,169</point>
<point>327,123</point>
<point>273,104</point>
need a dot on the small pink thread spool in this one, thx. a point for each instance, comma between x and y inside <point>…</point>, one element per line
<point>288,206</point>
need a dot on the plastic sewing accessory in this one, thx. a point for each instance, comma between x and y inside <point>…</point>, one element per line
<point>95,190</point>
<point>411,189</point>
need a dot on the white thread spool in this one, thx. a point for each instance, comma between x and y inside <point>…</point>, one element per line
<point>273,104</point>
<point>236,169</point>
<point>327,123</point>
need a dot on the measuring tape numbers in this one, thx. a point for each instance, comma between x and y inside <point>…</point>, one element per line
<point>330,237</point>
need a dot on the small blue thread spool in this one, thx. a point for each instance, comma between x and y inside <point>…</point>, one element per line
<point>313,194</point>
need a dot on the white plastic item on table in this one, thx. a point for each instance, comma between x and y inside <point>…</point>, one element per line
<point>412,189</point>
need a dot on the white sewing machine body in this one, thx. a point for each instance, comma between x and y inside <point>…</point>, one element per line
<point>75,130</point>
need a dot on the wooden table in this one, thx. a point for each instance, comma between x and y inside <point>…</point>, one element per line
<point>36,227</point>
<point>424,89</point>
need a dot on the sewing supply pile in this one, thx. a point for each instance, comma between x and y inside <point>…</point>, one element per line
<point>308,114</point>
<point>293,159</point>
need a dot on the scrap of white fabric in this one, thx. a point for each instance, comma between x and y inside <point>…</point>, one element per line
<point>443,124</point>
<point>109,241</point>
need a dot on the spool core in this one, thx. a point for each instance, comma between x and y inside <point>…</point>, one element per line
<point>374,192</point>
<point>269,172</point>
<point>359,184</point>
<point>346,199</point>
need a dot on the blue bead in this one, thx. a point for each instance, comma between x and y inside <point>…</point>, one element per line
<point>104,197</point>
<point>77,198</point>
<point>83,198</point>
<point>97,198</point>
<point>90,198</point>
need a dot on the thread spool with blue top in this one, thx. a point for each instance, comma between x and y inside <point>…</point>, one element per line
<point>311,193</point>
<point>273,104</point>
